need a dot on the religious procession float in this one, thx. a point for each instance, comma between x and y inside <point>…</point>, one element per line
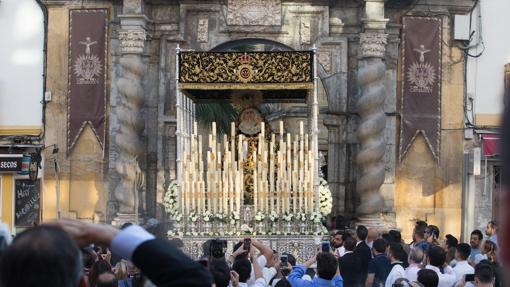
<point>256,179</point>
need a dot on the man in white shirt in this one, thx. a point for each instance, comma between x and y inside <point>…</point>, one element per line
<point>462,268</point>
<point>395,251</point>
<point>415,264</point>
<point>240,252</point>
<point>340,237</point>
<point>243,268</point>
<point>436,258</point>
<point>484,275</point>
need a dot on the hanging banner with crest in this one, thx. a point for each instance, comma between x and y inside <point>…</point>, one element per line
<point>421,85</point>
<point>88,34</point>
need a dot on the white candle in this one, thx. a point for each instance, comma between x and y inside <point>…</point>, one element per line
<point>255,182</point>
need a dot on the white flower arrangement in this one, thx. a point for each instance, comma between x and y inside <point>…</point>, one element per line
<point>170,201</point>
<point>172,233</point>
<point>234,217</point>
<point>192,217</point>
<point>259,216</point>
<point>301,217</point>
<point>315,217</point>
<point>287,216</point>
<point>192,233</point>
<point>246,229</point>
<point>207,216</point>
<point>325,198</point>
<point>273,216</point>
<point>177,216</point>
<point>221,217</point>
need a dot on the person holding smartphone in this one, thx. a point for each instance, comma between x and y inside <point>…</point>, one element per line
<point>327,271</point>
<point>242,250</point>
<point>283,268</point>
<point>242,268</point>
<point>432,235</point>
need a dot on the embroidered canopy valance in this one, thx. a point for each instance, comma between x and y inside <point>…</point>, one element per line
<point>288,70</point>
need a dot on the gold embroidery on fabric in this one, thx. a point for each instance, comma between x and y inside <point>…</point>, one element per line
<point>255,70</point>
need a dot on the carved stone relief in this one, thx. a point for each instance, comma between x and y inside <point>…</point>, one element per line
<point>304,31</point>
<point>132,41</point>
<point>373,44</point>
<point>324,58</point>
<point>203,30</point>
<point>254,12</point>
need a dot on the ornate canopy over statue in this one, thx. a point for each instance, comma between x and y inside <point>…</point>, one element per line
<point>253,173</point>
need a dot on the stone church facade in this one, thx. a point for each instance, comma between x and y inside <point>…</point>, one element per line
<point>348,35</point>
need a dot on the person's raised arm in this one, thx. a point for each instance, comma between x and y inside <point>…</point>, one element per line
<point>295,277</point>
<point>264,249</point>
<point>160,261</point>
<point>259,277</point>
<point>240,250</point>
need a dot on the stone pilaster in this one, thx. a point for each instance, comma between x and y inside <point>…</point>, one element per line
<point>130,190</point>
<point>371,78</point>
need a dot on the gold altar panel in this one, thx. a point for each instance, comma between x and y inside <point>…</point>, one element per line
<point>254,70</point>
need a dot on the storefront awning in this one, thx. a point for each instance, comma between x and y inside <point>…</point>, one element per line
<point>490,144</point>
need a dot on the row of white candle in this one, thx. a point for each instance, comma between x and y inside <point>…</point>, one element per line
<point>282,175</point>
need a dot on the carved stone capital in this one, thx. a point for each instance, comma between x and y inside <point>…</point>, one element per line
<point>132,41</point>
<point>373,45</point>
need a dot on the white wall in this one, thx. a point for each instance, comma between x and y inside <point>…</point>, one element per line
<point>486,74</point>
<point>21,63</point>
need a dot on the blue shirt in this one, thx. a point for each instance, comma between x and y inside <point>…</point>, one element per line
<point>424,245</point>
<point>474,252</point>
<point>300,270</point>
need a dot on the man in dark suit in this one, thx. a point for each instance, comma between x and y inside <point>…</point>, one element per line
<point>47,256</point>
<point>362,252</point>
<point>349,264</point>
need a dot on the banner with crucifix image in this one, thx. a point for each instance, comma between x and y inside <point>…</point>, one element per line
<point>421,85</point>
<point>88,34</point>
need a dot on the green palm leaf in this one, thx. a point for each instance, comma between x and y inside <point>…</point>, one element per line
<point>222,113</point>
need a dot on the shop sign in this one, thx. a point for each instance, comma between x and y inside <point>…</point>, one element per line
<point>10,162</point>
<point>25,164</point>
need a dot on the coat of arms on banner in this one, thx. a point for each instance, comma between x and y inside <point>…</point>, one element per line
<point>87,71</point>
<point>87,66</point>
<point>421,82</point>
<point>421,75</point>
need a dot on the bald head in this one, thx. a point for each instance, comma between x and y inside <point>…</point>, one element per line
<point>373,234</point>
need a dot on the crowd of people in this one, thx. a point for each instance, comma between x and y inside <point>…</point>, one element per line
<point>70,253</point>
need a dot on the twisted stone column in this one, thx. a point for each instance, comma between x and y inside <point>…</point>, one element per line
<point>371,77</point>
<point>128,139</point>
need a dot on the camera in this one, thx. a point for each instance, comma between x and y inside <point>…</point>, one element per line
<point>246,244</point>
<point>218,248</point>
<point>325,246</point>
